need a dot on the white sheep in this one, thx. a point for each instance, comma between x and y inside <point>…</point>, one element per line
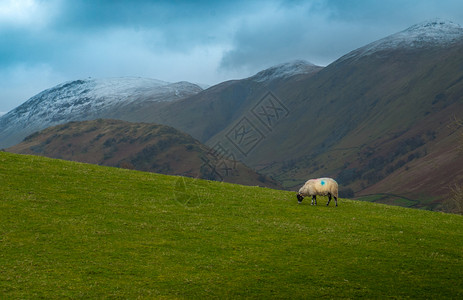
<point>320,186</point>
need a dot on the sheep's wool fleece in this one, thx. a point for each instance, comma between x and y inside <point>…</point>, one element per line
<point>320,186</point>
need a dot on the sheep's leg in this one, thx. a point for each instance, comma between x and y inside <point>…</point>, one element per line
<point>336,200</point>
<point>314,199</point>
<point>329,199</point>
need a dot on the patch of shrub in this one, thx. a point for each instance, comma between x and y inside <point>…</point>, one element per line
<point>32,136</point>
<point>109,142</point>
<point>99,136</point>
<point>346,193</point>
<point>126,165</point>
<point>454,202</point>
<point>38,148</point>
<point>262,178</point>
<point>347,176</point>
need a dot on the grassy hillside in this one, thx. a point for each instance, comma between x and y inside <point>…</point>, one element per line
<point>84,231</point>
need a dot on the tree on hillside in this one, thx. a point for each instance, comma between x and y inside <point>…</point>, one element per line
<point>454,202</point>
<point>457,125</point>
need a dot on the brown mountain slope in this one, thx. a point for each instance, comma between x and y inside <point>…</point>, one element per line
<point>140,146</point>
<point>391,114</point>
<point>376,112</point>
<point>208,113</point>
<point>427,171</point>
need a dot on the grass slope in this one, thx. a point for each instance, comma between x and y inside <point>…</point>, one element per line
<point>84,231</point>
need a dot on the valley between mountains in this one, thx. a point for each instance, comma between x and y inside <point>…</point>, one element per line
<point>378,120</point>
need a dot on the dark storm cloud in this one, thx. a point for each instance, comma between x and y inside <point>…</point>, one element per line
<point>94,14</point>
<point>46,42</point>
<point>182,24</point>
<point>321,31</point>
<point>179,24</point>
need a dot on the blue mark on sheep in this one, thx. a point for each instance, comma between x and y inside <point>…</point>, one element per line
<point>322,182</point>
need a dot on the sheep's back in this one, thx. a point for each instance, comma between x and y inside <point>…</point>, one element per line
<point>330,185</point>
<point>320,186</point>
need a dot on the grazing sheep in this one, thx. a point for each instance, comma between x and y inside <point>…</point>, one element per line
<point>320,186</point>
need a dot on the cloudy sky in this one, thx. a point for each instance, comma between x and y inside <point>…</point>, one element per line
<point>47,42</point>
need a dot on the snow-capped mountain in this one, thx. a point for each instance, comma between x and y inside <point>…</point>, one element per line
<point>286,70</point>
<point>85,100</point>
<point>433,33</point>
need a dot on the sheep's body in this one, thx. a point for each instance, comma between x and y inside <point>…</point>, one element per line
<point>319,187</point>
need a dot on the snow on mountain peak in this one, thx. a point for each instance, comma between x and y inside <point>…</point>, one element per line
<point>285,70</point>
<point>436,32</point>
<point>87,99</point>
<point>82,98</point>
<point>95,94</point>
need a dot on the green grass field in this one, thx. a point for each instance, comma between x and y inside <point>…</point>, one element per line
<point>389,199</point>
<point>71,230</point>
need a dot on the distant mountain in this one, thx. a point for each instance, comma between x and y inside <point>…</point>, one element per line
<point>208,113</point>
<point>433,33</point>
<point>140,100</point>
<point>139,146</point>
<point>87,100</point>
<point>375,115</point>
<point>286,70</point>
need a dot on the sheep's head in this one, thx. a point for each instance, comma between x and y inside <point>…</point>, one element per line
<point>299,197</point>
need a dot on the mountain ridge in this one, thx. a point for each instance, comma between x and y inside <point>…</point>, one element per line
<point>285,70</point>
